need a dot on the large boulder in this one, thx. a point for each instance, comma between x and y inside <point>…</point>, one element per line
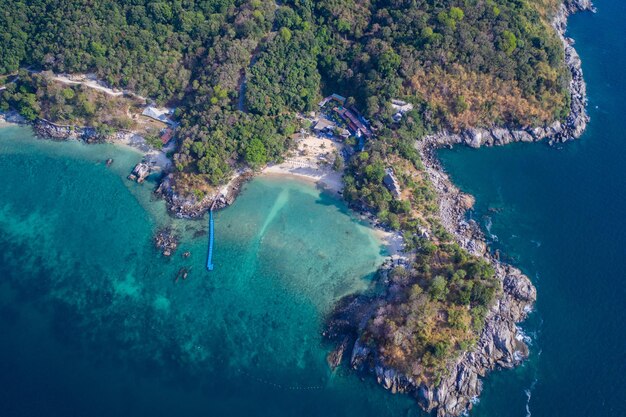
<point>501,136</point>
<point>477,137</point>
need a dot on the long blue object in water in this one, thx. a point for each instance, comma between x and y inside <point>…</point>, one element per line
<point>209,262</point>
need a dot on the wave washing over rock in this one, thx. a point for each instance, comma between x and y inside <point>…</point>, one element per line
<point>501,343</point>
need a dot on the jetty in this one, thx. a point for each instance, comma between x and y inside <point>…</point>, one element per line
<point>209,262</point>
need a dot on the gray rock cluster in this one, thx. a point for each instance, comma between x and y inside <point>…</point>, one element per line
<point>12,116</point>
<point>166,241</point>
<point>46,129</point>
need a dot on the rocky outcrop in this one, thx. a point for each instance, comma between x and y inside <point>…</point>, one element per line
<point>140,172</point>
<point>577,120</point>
<point>179,205</point>
<point>500,345</point>
<point>573,6</point>
<point>12,117</point>
<point>166,241</point>
<point>188,206</point>
<point>49,130</point>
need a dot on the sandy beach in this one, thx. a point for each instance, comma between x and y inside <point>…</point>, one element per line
<point>312,161</point>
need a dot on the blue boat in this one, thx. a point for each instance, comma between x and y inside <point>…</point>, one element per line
<point>209,263</point>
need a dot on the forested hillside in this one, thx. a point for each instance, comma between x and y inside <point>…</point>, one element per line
<point>464,62</point>
<point>148,46</point>
<point>240,71</point>
<point>472,62</point>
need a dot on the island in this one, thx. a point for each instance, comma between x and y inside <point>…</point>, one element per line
<point>354,95</point>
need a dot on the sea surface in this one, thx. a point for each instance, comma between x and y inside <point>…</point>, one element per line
<point>560,215</point>
<point>92,322</point>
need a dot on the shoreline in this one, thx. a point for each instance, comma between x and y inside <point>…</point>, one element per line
<point>155,158</point>
<point>557,132</point>
<point>391,240</point>
<point>330,182</point>
<point>326,180</point>
<point>310,160</point>
<point>12,119</point>
<point>501,344</point>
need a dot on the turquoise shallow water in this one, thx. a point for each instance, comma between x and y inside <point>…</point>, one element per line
<point>92,324</point>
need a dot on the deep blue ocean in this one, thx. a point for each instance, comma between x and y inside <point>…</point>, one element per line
<point>561,217</point>
<point>93,324</point>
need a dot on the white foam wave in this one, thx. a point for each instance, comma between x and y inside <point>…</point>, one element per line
<point>529,393</point>
<point>488,225</point>
<point>522,336</point>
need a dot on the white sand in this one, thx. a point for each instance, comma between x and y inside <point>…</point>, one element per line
<point>312,161</point>
<point>393,241</point>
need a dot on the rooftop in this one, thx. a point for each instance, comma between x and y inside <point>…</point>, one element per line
<point>323,124</point>
<point>160,114</point>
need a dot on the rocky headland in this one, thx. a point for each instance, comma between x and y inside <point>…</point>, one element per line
<point>501,343</point>
<point>186,205</point>
<point>575,123</point>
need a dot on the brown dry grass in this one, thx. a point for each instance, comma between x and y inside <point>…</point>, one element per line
<point>546,8</point>
<point>489,99</point>
<point>187,184</point>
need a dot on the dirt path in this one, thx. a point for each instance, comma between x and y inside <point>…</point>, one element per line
<point>96,85</point>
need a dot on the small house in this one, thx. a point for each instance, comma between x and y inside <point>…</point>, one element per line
<point>401,107</point>
<point>355,125</point>
<point>160,114</point>
<point>333,97</point>
<point>391,182</point>
<point>323,125</point>
<point>344,134</point>
<point>166,136</point>
<point>339,99</point>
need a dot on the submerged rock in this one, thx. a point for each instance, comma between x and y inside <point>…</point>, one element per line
<point>166,241</point>
<point>182,273</point>
<point>335,356</point>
